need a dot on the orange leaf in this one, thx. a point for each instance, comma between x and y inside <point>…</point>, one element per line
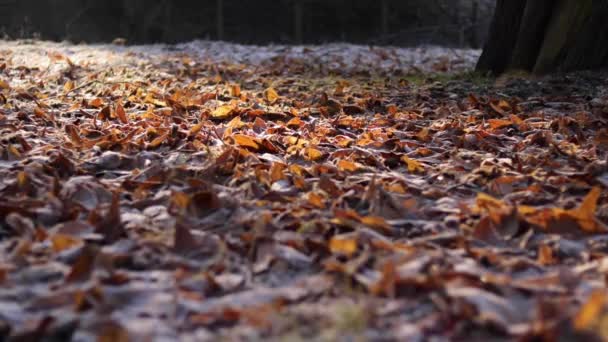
<point>585,213</point>
<point>4,84</point>
<point>345,165</point>
<point>316,200</point>
<point>97,103</point>
<point>246,141</point>
<point>313,154</point>
<point>499,123</point>
<point>39,112</point>
<point>277,172</point>
<point>196,128</point>
<point>120,113</point>
<point>235,90</point>
<point>158,141</point>
<point>376,222</point>
<point>342,245</point>
<point>61,242</point>
<point>589,313</point>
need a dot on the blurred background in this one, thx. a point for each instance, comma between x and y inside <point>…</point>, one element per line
<point>462,23</point>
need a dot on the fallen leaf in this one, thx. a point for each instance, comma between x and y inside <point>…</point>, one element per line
<point>68,86</point>
<point>120,113</point>
<point>343,245</point>
<point>589,314</point>
<point>223,112</point>
<point>345,165</point>
<point>62,242</point>
<point>413,165</point>
<point>235,90</point>
<point>271,95</point>
<point>313,154</point>
<point>246,141</point>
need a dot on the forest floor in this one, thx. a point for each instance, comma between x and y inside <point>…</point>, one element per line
<point>211,191</point>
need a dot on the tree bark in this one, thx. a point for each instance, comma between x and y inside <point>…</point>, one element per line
<point>503,36</point>
<point>531,34</point>
<point>543,36</point>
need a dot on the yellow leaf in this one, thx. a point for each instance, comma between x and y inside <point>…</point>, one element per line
<point>412,164</point>
<point>150,99</point>
<point>341,245</point>
<point>68,86</point>
<point>196,128</point>
<point>297,170</point>
<point>271,95</point>
<point>4,85</point>
<point>590,312</point>
<point>246,141</point>
<point>223,112</point>
<point>235,123</point>
<point>345,165</point>
<point>487,202</point>
<point>313,154</point>
<point>61,242</point>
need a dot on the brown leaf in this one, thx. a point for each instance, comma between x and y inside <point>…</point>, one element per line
<point>111,226</point>
<point>235,90</point>
<point>183,240</point>
<point>120,113</point>
<point>74,134</point>
<point>84,265</point>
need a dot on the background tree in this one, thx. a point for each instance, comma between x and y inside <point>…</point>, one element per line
<point>546,35</point>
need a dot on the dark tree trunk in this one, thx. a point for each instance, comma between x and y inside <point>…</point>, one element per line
<point>542,36</point>
<point>531,33</point>
<point>503,36</point>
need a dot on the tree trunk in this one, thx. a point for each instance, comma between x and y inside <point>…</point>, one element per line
<point>503,36</point>
<point>542,36</point>
<point>531,34</point>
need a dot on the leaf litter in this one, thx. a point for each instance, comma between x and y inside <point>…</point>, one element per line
<point>209,190</point>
